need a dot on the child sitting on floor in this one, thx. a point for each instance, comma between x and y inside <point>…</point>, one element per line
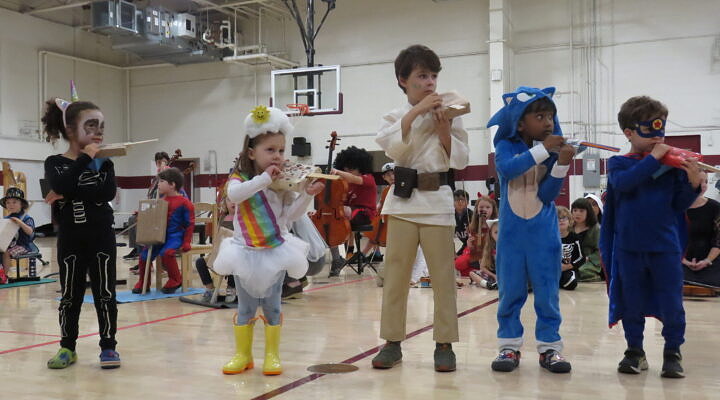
<point>14,201</point>
<point>485,276</point>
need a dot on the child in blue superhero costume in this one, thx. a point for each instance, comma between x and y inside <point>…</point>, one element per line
<point>532,160</point>
<point>643,235</point>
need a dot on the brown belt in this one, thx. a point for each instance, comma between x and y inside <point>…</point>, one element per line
<point>407,179</point>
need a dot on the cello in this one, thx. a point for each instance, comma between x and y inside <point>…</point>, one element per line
<point>378,236</point>
<point>329,217</point>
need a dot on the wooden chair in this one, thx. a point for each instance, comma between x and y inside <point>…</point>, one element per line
<point>204,213</point>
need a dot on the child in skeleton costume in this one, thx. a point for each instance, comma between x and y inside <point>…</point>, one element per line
<point>262,249</point>
<point>82,186</point>
<point>532,161</point>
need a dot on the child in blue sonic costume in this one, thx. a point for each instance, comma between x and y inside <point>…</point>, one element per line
<point>532,160</point>
<point>643,235</point>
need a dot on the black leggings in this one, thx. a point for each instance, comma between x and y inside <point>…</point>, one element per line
<point>81,252</point>
<point>202,269</point>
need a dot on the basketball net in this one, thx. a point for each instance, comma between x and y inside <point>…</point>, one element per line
<point>296,111</point>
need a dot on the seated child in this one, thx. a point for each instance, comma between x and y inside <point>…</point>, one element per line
<point>477,232</point>
<point>354,166</point>
<point>485,275</point>
<point>587,229</point>
<point>179,231</point>
<point>225,215</point>
<point>463,215</point>
<point>572,257</point>
<point>14,201</point>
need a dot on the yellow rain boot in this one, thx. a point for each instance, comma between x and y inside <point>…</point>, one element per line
<point>243,358</point>
<point>272,350</point>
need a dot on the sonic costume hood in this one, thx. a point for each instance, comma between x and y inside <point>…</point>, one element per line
<point>508,117</point>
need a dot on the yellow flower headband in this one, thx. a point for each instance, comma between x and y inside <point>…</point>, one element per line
<point>267,119</point>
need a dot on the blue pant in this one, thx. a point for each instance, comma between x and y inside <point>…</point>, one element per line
<point>247,305</point>
<point>521,262</point>
<point>651,281</point>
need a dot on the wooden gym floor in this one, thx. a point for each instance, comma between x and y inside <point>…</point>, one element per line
<point>175,350</point>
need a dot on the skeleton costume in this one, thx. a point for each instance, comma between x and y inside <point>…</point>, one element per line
<point>86,241</point>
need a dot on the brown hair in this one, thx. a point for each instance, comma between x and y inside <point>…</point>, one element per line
<point>415,56</point>
<point>161,155</point>
<point>244,164</point>
<point>173,175</point>
<point>52,120</point>
<point>475,221</point>
<point>640,108</point>
<point>488,259</point>
<point>583,204</point>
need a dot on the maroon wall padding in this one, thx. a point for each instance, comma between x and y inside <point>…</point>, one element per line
<point>470,173</point>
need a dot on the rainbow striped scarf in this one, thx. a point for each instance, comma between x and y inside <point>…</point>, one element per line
<point>257,220</point>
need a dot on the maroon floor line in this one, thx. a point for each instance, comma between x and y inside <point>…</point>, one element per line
<point>338,284</point>
<point>32,346</point>
<point>358,357</point>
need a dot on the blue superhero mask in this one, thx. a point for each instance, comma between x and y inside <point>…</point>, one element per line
<point>656,128</point>
<point>508,117</point>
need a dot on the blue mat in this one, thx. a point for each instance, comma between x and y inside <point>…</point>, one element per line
<point>129,297</point>
<point>26,283</point>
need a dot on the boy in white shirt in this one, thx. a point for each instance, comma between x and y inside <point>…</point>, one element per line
<point>425,144</point>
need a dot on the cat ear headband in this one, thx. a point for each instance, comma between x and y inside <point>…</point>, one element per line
<point>64,104</point>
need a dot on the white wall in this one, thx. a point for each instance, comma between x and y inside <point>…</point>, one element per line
<point>661,48</point>
<point>21,39</point>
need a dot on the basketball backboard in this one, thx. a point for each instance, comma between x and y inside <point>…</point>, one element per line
<point>318,87</point>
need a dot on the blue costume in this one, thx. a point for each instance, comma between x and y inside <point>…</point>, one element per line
<point>528,247</point>
<point>642,239</point>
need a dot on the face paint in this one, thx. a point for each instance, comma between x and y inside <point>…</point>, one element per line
<point>90,127</point>
<point>655,127</point>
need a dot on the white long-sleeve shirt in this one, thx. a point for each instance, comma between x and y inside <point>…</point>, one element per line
<point>422,151</point>
<point>287,205</point>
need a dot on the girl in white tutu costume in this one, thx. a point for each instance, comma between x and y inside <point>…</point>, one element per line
<point>262,249</point>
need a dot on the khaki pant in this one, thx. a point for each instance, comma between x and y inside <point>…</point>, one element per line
<point>436,241</point>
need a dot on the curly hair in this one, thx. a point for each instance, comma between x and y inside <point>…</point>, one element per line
<point>52,120</point>
<point>354,158</point>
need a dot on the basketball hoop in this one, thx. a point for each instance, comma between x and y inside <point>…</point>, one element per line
<point>297,109</point>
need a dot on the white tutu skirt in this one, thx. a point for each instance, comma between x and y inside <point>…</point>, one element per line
<point>258,269</point>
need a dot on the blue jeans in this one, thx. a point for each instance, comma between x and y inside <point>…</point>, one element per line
<point>247,305</point>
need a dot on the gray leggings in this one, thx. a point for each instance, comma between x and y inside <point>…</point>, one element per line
<point>247,305</point>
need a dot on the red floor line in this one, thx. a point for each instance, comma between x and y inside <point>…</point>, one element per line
<point>30,333</point>
<point>32,346</point>
<point>358,357</point>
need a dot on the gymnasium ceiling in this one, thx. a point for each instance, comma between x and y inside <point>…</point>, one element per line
<point>76,13</point>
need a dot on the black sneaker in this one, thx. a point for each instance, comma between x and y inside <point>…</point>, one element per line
<point>131,255</point>
<point>389,356</point>
<point>135,268</point>
<point>291,292</point>
<point>444,357</point>
<point>672,367</point>
<point>506,361</point>
<point>336,266</point>
<point>553,361</point>
<point>634,361</point>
